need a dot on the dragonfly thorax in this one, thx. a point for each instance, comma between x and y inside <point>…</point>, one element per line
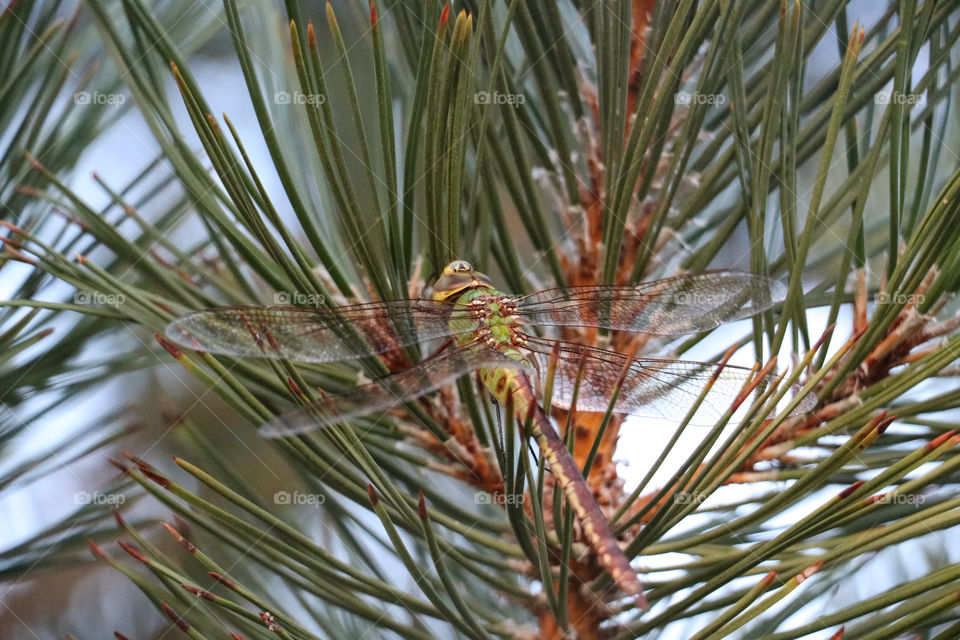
<point>494,318</point>
<point>481,313</point>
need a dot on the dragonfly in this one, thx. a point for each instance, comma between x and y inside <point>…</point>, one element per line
<point>496,335</point>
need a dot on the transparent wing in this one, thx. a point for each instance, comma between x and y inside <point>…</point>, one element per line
<point>653,387</point>
<point>388,392</point>
<point>317,335</point>
<point>674,306</point>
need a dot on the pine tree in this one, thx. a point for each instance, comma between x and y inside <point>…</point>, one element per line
<point>551,144</point>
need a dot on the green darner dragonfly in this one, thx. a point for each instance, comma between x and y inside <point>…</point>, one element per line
<point>490,332</point>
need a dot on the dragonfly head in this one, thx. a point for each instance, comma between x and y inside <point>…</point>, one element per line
<point>457,278</point>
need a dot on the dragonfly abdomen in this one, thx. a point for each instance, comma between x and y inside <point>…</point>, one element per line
<point>504,383</point>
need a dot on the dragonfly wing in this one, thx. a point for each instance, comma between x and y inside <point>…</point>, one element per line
<point>653,387</point>
<point>674,306</point>
<point>388,392</point>
<point>314,335</point>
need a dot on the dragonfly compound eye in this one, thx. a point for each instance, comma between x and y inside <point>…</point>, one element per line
<point>459,266</point>
<point>458,277</point>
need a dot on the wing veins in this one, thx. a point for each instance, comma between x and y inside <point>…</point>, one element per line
<point>666,378</point>
<point>315,335</point>
<point>388,392</point>
<point>673,306</point>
